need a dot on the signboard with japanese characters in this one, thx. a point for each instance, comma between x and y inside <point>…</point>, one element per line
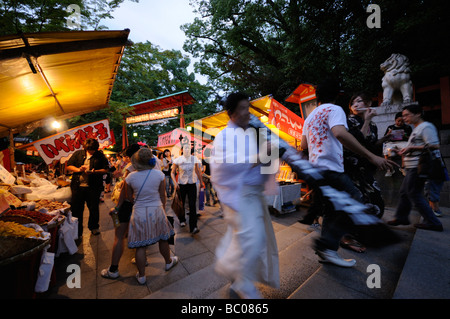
<point>61,146</point>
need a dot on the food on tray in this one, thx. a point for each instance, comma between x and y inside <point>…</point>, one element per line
<point>50,205</point>
<point>12,229</point>
<point>38,217</point>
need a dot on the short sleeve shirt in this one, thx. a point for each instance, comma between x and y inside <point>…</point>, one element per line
<point>186,167</point>
<point>325,150</point>
<point>149,195</point>
<point>424,133</point>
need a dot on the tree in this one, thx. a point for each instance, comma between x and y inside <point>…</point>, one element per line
<point>271,46</point>
<point>146,72</point>
<point>29,16</point>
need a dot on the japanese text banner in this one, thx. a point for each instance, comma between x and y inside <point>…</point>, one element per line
<point>285,120</point>
<point>61,146</point>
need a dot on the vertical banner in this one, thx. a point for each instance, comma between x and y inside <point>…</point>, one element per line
<point>61,146</point>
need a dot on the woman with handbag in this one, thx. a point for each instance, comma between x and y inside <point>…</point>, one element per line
<point>148,224</point>
<point>123,208</point>
<point>411,191</point>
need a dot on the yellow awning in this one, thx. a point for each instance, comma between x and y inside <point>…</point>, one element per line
<point>56,74</point>
<point>260,107</point>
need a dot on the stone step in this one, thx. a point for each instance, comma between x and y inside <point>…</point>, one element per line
<point>332,282</point>
<point>297,263</point>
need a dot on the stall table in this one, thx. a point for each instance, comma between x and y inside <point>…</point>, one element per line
<point>287,193</point>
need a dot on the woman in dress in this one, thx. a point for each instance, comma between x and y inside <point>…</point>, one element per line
<point>148,223</point>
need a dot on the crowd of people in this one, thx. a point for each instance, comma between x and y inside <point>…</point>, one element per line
<point>346,149</point>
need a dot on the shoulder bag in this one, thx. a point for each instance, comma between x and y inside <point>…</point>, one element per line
<point>431,166</point>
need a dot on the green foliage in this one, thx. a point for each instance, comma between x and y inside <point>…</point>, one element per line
<point>271,46</point>
<point>29,16</point>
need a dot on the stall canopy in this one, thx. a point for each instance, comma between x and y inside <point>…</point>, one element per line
<point>272,113</point>
<point>305,96</point>
<point>56,74</point>
<point>167,102</point>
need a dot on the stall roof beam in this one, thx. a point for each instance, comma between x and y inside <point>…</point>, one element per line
<point>66,47</point>
<point>179,99</point>
<point>77,71</point>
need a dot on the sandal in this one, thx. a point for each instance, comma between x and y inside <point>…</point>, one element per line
<point>352,244</point>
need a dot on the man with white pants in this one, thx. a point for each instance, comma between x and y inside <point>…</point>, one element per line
<point>248,252</point>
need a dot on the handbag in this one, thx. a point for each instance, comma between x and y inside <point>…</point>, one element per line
<point>177,204</point>
<point>171,239</point>
<point>431,166</point>
<point>126,207</point>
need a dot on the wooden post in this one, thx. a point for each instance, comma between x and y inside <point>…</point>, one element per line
<point>11,150</point>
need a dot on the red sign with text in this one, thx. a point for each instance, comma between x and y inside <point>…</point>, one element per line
<point>61,146</point>
<point>286,120</point>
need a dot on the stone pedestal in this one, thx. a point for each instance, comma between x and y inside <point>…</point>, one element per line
<point>385,117</point>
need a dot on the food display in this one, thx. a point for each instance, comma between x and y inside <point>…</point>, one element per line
<point>13,229</point>
<point>50,205</point>
<point>37,217</point>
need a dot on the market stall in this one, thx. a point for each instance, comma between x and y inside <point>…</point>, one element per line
<point>154,110</point>
<point>174,140</point>
<point>46,76</point>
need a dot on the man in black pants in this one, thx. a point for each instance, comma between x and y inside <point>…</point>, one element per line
<point>88,167</point>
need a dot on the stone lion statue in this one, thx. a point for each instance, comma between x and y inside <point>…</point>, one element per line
<point>396,79</point>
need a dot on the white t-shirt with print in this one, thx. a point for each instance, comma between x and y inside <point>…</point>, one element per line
<point>325,150</point>
<point>186,169</point>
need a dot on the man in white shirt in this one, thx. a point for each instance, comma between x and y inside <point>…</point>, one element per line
<point>248,252</point>
<point>324,135</point>
<point>189,172</point>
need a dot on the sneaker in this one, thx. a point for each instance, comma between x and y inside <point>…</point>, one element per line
<point>108,274</point>
<point>172,264</point>
<point>331,256</point>
<point>182,224</point>
<point>195,231</point>
<point>429,227</point>
<point>438,213</point>
<point>141,280</point>
<point>133,261</point>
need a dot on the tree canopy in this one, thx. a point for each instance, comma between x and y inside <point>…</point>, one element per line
<point>271,46</point>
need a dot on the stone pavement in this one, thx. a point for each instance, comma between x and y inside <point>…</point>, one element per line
<point>415,267</point>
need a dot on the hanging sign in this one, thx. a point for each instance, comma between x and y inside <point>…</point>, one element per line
<point>152,116</point>
<point>61,146</point>
<point>285,120</point>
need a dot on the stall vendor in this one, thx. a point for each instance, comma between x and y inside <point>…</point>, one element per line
<point>88,167</point>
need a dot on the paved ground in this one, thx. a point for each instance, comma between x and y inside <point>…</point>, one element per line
<point>195,253</point>
<point>301,276</point>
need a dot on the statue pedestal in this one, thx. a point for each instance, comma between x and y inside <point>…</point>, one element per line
<point>386,116</point>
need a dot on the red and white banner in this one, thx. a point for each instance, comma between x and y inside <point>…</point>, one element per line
<point>286,120</point>
<point>61,146</point>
